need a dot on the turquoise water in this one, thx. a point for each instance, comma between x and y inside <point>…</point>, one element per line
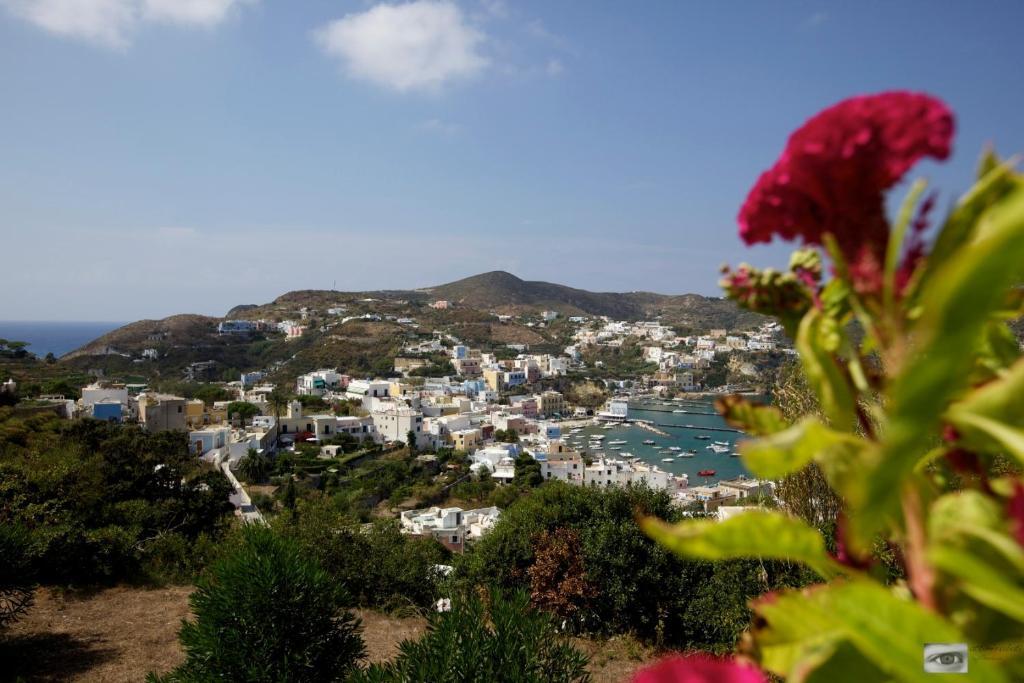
<point>725,466</point>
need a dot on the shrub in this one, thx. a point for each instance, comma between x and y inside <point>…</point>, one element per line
<point>268,612</point>
<point>503,640</point>
<point>16,586</point>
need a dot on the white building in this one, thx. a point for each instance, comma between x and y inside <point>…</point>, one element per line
<point>318,382</point>
<point>393,421</point>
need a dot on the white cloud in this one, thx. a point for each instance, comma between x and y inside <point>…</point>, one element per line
<point>106,22</point>
<point>189,12</point>
<point>421,45</point>
<point>554,68</point>
<point>112,23</point>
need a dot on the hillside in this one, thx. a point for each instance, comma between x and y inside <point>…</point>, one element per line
<point>362,346</point>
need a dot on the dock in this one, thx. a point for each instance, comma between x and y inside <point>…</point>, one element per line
<point>705,429</point>
<point>649,426</point>
<point>671,410</point>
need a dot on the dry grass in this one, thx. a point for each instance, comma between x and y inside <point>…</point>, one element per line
<point>120,634</point>
<point>114,635</point>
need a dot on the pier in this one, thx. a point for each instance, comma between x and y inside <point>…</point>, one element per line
<point>649,426</point>
<point>705,429</point>
<point>687,411</point>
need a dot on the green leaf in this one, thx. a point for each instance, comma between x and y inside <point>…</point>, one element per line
<point>960,226</point>
<point>993,414</point>
<point>888,632</point>
<point>788,451</point>
<point>755,533</point>
<point>816,340</point>
<point>956,306</point>
<point>751,418</point>
<point>984,431</point>
<point>980,580</point>
<point>896,237</point>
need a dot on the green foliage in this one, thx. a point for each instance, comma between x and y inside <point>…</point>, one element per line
<point>16,585</point>
<point>527,471</point>
<point>254,467</point>
<point>268,612</point>
<point>378,565</point>
<point>638,586</point>
<point>910,423</point>
<point>97,498</point>
<point>502,640</point>
<point>243,409</point>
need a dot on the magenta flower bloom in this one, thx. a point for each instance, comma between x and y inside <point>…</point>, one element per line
<point>832,176</point>
<point>700,668</point>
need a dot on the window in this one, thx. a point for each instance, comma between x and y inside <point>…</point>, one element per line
<point>455,539</point>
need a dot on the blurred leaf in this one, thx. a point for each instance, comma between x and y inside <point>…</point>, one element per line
<point>993,413</point>
<point>752,418</point>
<point>788,451</point>
<point>815,338</point>
<point>887,631</point>
<point>896,237</point>
<point>983,582</point>
<point>961,224</point>
<point>756,533</point>
<point>957,304</point>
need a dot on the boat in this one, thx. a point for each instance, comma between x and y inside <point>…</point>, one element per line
<point>734,454</point>
<point>668,459</point>
<point>678,411</point>
<point>692,450</point>
<point>615,448</point>
<point>626,455</point>
<point>618,442</point>
<point>702,437</point>
<point>648,442</point>
<point>657,448</point>
<point>596,437</point>
<point>722,443</point>
<point>718,449</point>
<point>687,455</point>
<point>706,473</point>
<point>674,448</point>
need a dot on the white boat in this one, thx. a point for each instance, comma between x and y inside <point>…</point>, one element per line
<point>615,448</point>
<point>626,455</point>
<point>687,455</point>
<point>657,448</point>
<point>618,442</point>
<point>678,411</point>
<point>648,442</point>
<point>596,437</point>
<point>674,448</point>
<point>668,459</point>
<point>721,443</point>
<point>718,449</point>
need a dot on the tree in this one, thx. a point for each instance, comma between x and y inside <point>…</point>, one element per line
<point>500,640</point>
<point>255,467</point>
<point>243,409</point>
<point>410,442</point>
<point>527,471</point>
<point>267,612</point>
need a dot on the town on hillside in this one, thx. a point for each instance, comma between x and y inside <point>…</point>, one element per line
<point>462,413</point>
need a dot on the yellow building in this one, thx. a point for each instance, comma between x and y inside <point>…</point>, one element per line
<point>550,403</point>
<point>493,378</point>
<point>466,440</point>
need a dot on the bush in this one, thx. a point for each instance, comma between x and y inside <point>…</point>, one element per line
<point>16,586</point>
<point>632,584</point>
<point>268,612</point>
<point>378,565</point>
<point>504,640</point>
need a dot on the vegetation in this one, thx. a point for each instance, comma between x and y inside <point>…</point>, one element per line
<point>915,421</point>
<point>379,566</point>
<point>242,409</point>
<point>16,585</point>
<point>103,502</point>
<point>501,639</point>
<point>268,613</point>
<point>616,580</point>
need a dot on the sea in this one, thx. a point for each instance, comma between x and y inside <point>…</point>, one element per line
<point>56,337</point>
<point>682,429</point>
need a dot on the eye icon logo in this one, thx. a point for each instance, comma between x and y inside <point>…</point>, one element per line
<point>945,658</point>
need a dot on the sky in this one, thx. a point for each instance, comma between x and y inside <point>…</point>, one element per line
<point>172,156</point>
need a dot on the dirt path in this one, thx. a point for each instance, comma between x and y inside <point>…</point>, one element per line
<point>118,635</point>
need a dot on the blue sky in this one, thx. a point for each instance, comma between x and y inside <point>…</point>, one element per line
<point>164,156</point>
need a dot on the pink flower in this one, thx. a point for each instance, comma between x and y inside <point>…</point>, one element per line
<point>832,175</point>
<point>699,668</point>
